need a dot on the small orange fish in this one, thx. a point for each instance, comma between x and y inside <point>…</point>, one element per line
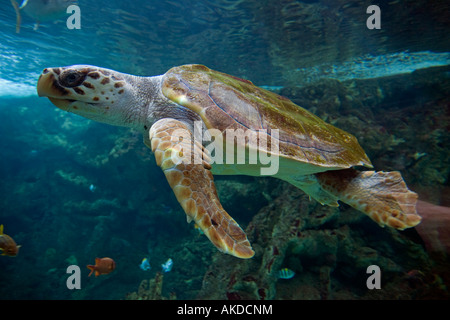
<point>8,246</point>
<point>102,266</point>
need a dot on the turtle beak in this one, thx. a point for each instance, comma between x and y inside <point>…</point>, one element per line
<point>62,104</point>
<point>48,86</point>
<point>45,83</point>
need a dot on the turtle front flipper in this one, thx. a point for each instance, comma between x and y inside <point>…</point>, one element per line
<point>383,196</point>
<point>187,170</point>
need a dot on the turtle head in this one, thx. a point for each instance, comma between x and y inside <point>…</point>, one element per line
<point>95,93</point>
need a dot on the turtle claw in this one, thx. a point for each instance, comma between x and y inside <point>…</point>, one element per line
<point>193,184</point>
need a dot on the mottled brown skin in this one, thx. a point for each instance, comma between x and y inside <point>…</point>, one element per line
<point>163,105</point>
<point>383,196</point>
<point>193,185</point>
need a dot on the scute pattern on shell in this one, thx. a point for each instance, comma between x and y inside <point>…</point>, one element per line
<point>227,102</point>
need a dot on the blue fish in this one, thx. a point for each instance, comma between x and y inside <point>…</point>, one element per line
<point>145,265</point>
<point>166,267</point>
<point>286,273</point>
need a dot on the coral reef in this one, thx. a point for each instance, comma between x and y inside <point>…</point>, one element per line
<point>329,248</point>
<point>150,290</point>
<point>401,121</point>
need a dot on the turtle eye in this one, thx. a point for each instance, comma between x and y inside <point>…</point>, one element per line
<point>71,78</point>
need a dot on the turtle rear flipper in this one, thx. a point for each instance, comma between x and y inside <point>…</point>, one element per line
<point>18,15</point>
<point>193,184</point>
<point>383,196</point>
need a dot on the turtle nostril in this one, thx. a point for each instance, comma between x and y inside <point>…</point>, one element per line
<point>45,71</point>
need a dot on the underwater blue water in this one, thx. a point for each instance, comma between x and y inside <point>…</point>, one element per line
<point>72,189</point>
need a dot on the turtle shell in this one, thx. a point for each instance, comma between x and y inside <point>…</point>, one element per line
<point>227,102</point>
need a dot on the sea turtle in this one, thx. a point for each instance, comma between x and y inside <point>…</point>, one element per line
<point>313,155</point>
